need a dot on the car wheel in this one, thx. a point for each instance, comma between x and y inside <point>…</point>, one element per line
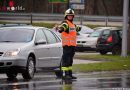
<point>116,50</point>
<point>103,52</point>
<point>30,69</point>
<point>11,74</point>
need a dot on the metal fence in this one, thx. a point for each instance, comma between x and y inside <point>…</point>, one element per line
<point>40,17</point>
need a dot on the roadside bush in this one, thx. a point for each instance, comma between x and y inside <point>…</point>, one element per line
<point>48,25</point>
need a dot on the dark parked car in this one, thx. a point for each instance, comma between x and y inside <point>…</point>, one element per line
<point>110,40</point>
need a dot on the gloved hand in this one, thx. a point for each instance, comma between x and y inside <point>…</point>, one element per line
<point>60,30</point>
<point>55,28</point>
<point>78,28</point>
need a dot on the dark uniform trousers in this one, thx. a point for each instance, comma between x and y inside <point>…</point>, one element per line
<point>67,57</point>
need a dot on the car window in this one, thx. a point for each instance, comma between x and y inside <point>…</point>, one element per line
<point>40,36</point>
<point>57,37</point>
<point>16,35</point>
<point>95,33</point>
<point>50,37</point>
<point>85,29</point>
<point>120,33</point>
<point>105,34</point>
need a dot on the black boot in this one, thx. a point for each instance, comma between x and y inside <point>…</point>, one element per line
<point>58,74</point>
<point>70,74</point>
<point>66,75</point>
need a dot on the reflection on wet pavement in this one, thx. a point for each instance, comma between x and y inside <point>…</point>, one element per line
<point>86,81</point>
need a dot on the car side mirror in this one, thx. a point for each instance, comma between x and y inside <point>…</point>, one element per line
<point>40,42</point>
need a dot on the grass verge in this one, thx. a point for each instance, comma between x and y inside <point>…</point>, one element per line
<point>48,25</point>
<point>111,63</point>
<point>107,57</point>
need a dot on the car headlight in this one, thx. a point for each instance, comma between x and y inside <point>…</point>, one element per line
<point>12,53</point>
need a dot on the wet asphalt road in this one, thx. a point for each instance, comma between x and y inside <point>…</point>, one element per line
<point>86,81</point>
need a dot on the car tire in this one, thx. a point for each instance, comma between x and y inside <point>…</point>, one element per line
<point>103,52</point>
<point>116,50</point>
<point>30,69</point>
<point>11,74</point>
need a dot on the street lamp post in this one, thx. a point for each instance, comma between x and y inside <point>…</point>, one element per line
<point>125,28</point>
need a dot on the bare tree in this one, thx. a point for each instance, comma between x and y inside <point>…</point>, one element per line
<point>105,7</point>
<point>89,9</point>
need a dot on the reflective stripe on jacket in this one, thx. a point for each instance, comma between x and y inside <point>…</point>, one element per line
<point>66,68</point>
<point>69,39</point>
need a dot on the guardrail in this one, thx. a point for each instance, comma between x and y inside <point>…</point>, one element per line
<point>40,17</point>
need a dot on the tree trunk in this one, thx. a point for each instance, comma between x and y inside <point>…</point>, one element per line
<point>30,7</point>
<point>89,7</point>
<point>105,7</point>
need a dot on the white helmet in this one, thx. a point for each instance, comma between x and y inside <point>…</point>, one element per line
<point>69,12</point>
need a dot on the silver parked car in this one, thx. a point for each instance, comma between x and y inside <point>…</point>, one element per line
<point>88,43</point>
<point>85,31</point>
<point>23,49</point>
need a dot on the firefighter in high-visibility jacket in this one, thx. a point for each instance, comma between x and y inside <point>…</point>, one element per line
<point>68,32</point>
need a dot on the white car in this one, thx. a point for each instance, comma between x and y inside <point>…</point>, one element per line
<point>23,49</point>
<point>88,43</point>
<point>85,31</point>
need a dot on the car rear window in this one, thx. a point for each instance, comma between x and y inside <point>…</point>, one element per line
<point>106,34</point>
<point>16,35</point>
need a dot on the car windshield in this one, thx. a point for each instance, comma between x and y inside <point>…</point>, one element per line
<point>85,30</point>
<point>95,33</point>
<point>16,35</point>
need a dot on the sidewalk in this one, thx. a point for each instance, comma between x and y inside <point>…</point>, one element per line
<point>81,61</point>
<point>78,61</point>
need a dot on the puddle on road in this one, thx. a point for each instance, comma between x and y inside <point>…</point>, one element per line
<point>85,81</point>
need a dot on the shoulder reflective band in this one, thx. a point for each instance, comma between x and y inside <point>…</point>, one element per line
<point>65,26</point>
